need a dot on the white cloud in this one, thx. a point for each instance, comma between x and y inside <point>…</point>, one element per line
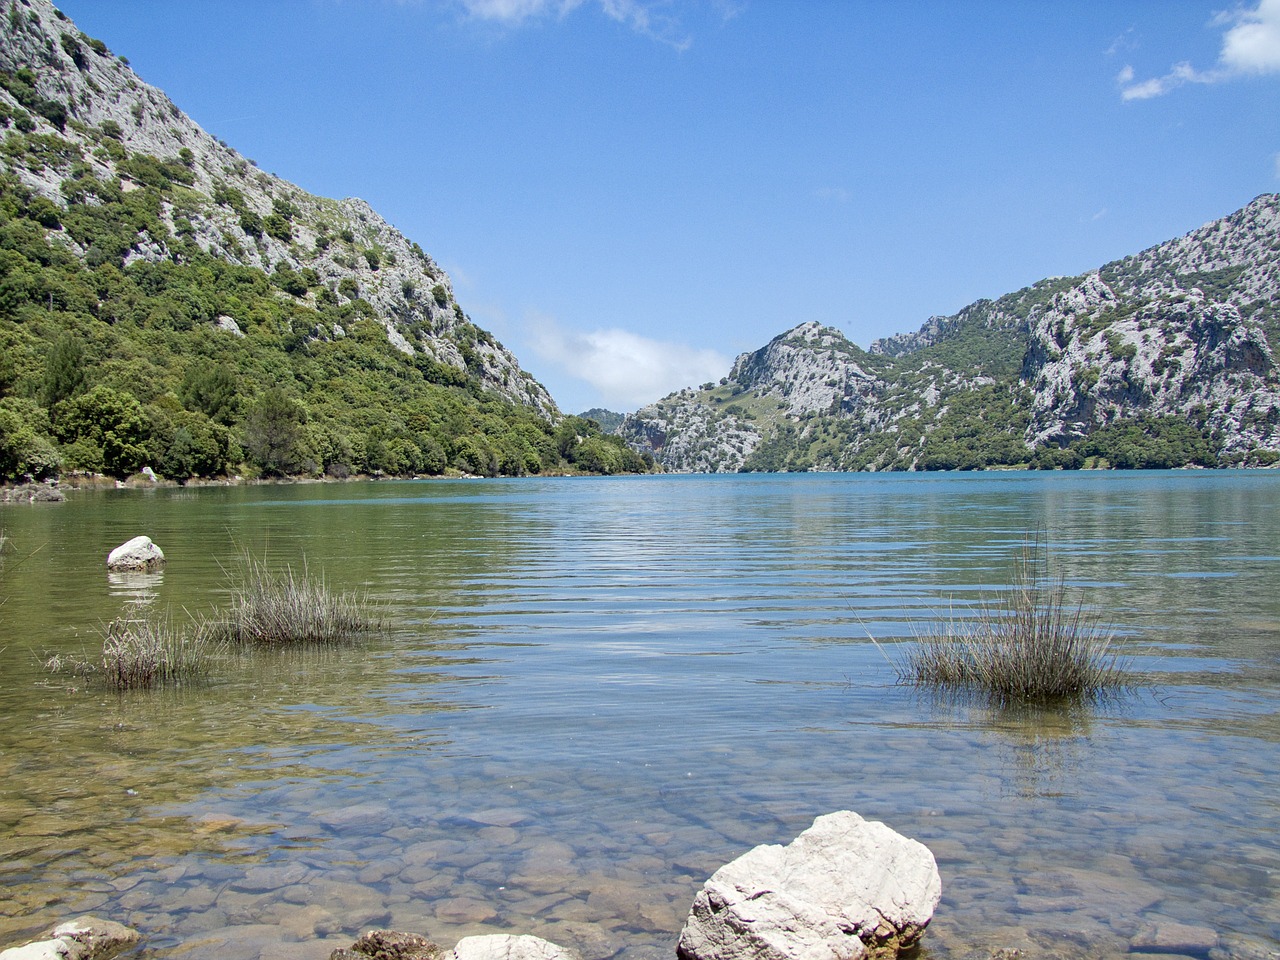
<point>1159,86</point>
<point>651,18</point>
<point>1251,46</point>
<point>514,11</point>
<point>628,370</point>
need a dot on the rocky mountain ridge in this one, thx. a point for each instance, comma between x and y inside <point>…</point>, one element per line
<point>1166,357</point>
<point>92,120</point>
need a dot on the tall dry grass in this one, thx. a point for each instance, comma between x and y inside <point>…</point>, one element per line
<point>282,607</point>
<point>143,650</point>
<point>1028,644</point>
<point>148,650</point>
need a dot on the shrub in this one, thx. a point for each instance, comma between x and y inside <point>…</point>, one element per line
<point>1028,645</point>
<point>280,608</point>
<point>251,223</point>
<point>278,227</point>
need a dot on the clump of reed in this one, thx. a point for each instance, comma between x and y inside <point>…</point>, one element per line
<point>146,651</point>
<point>285,607</point>
<point>1027,644</point>
<point>142,651</point>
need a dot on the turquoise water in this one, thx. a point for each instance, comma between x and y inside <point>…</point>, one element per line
<point>596,691</point>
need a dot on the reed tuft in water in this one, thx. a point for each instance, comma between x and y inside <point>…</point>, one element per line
<point>146,650</point>
<point>281,608</point>
<point>1029,644</point>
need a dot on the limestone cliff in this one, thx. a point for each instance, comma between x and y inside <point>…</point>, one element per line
<point>1163,358</point>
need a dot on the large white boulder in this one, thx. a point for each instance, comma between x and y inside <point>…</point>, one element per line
<point>845,889</point>
<point>137,554</point>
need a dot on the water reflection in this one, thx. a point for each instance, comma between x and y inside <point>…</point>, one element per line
<point>135,586</point>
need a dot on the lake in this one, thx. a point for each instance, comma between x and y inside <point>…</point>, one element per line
<point>596,691</point>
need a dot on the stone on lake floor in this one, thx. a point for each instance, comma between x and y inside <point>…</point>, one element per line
<point>845,889</point>
<point>85,938</point>
<point>390,945</point>
<point>137,554</point>
<point>1169,936</point>
<point>506,947</point>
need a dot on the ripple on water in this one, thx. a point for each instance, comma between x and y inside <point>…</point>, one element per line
<point>596,693</point>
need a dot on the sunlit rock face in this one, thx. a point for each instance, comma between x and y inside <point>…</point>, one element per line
<point>844,889</point>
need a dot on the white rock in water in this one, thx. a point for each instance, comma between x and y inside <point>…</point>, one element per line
<point>87,938</point>
<point>138,554</point>
<point>844,889</point>
<point>507,947</point>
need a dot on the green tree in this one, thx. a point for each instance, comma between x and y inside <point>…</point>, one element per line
<point>112,421</point>
<point>210,388</point>
<point>198,448</point>
<point>26,451</point>
<point>272,431</point>
<point>63,370</point>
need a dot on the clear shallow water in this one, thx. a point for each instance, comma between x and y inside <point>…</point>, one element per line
<point>596,691</point>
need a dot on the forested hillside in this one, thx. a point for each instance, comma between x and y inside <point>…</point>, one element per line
<point>165,304</point>
<point>1162,359</point>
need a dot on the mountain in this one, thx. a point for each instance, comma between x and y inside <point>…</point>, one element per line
<point>1165,358</point>
<point>608,420</point>
<point>155,286</point>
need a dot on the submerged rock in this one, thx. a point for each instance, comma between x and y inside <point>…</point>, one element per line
<point>138,554</point>
<point>390,945</point>
<point>86,938</point>
<point>1169,936</point>
<point>393,945</point>
<point>844,889</point>
<point>507,947</point>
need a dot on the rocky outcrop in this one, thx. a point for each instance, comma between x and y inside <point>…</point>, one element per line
<point>105,122</point>
<point>1185,331</point>
<point>844,889</point>
<point>86,938</point>
<point>32,493</point>
<point>136,554</point>
<point>1180,329</point>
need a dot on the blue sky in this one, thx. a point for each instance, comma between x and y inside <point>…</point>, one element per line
<point>629,193</point>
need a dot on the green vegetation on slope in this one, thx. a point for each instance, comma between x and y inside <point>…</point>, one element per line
<point>110,363</point>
